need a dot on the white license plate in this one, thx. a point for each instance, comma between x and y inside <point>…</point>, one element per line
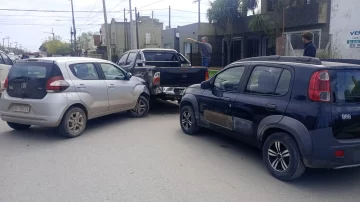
<point>21,108</point>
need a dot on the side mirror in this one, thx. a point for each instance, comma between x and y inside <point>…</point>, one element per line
<point>128,75</point>
<point>140,63</point>
<point>205,84</point>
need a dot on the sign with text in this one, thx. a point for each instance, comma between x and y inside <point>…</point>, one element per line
<point>354,41</point>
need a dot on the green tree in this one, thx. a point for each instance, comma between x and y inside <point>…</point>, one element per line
<point>224,13</point>
<point>56,46</point>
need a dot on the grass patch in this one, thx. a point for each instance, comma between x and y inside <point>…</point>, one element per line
<point>212,73</point>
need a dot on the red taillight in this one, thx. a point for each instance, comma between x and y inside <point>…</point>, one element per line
<point>56,84</point>
<point>339,153</point>
<point>319,87</point>
<point>156,80</point>
<point>206,75</point>
<point>6,83</point>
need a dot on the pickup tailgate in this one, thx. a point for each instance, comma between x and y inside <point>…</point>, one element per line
<point>182,77</point>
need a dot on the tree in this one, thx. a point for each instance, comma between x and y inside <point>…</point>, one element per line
<point>225,13</point>
<point>57,47</point>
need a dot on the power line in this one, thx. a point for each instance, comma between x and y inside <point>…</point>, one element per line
<point>90,12</point>
<point>151,4</point>
<point>49,11</point>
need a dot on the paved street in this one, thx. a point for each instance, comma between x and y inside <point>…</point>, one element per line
<point>150,159</point>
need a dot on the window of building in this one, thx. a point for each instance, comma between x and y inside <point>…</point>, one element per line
<point>147,38</point>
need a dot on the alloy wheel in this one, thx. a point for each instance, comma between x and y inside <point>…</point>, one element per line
<point>140,107</point>
<point>76,123</point>
<point>279,156</point>
<point>186,120</point>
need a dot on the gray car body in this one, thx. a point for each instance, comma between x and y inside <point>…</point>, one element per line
<point>96,97</point>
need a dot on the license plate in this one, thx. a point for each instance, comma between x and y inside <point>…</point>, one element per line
<point>21,108</point>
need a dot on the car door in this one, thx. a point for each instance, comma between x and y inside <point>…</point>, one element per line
<point>120,88</point>
<point>122,60</point>
<point>265,95</point>
<point>216,102</point>
<point>5,65</point>
<point>90,88</point>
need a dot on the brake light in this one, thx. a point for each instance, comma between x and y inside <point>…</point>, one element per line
<point>319,86</point>
<point>56,84</point>
<point>206,75</point>
<point>156,80</point>
<point>6,83</point>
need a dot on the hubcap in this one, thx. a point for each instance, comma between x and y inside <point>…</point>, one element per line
<point>140,107</point>
<point>76,122</point>
<point>186,120</point>
<point>279,156</point>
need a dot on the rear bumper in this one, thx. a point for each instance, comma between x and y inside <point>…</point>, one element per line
<point>169,93</point>
<point>45,112</point>
<point>324,148</point>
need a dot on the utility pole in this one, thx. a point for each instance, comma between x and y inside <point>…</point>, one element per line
<point>71,37</point>
<point>131,27</point>
<point>125,32</point>
<point>52,32</point>
<point>152,16</point>
<point>169,17</point>
<point>107,34</point>
<point>137,30</point>
<point>199,16</point>
<point>73,21</point>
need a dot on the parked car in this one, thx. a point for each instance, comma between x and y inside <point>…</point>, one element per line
<point>300,111</point>
<point>166,71</point>
<point>5,65</point>
<point>67,92</point>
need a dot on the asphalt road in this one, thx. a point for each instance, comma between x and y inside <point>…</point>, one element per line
<point>150,159</point>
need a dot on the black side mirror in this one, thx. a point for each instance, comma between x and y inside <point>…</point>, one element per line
<point>205,84</point>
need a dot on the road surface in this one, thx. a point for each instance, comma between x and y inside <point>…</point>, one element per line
<point>150,159</point>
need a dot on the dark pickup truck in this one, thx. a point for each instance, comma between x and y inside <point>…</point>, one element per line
<point>166,71</point>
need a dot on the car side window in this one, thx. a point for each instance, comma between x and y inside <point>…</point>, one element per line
<point>111,72</point>
<point>131,59</point>
<point>85,71</point>
<point>122,60</point>
<point>7,60</point>
<point>229,79</point>
<point>284,83</point>
<point>264,80</point>
<point>2,62</point>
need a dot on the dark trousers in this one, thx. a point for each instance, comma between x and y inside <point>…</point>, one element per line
<point>205,62</point>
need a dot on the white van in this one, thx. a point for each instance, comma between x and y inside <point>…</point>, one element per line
<point>5,65</point>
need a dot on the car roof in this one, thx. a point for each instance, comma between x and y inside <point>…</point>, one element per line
<point>324,64</point>
<point>157,49</point>
<point>65,59</point>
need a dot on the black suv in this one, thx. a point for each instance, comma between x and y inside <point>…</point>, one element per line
<point>302,112</point>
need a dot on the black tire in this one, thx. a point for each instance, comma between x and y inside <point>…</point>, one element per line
<point>274,149</point>
<point>193,127</point>
<point>65,126</point>
<point>141,109</point>
<point>17,126</point>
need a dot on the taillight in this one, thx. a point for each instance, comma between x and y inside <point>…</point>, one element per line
<point>156,80</point>
<point>56,84</point>
<point>319,86</point>
<point>206,75</point>
<point>6,83</point>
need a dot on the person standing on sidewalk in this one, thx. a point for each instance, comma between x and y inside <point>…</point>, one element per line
<point>205,50</point>
<point>309,48</point>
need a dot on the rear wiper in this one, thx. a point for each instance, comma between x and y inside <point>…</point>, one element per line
<point>21,78</point>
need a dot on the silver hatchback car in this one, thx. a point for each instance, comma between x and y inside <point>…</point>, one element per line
<point>67,92</point>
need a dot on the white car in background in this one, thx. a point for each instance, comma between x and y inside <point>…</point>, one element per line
<point>5,64</point>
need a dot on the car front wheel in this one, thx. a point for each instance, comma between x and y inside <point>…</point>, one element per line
<point>282,157</point>
<point>188,120</point>
<point>141,109</point>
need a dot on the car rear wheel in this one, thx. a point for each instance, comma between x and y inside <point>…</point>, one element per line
<point>73,122</point>
<point>188,121</point>
<point>282,157</point>
<point>17,126</point>
<point>141,109</point>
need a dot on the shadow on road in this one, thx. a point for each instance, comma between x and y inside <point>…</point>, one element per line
<point>164,107</point>
<point>321,180</point>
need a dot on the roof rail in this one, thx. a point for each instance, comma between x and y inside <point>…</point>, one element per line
<point>303,60</point>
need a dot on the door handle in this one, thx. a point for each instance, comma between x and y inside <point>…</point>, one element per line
<point>111,85</point>
<point>81,86</point>
<point>271,106</point>
<point>227,99</point>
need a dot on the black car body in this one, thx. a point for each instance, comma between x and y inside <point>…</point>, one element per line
<point>301,111</point>
<point>166,71</point>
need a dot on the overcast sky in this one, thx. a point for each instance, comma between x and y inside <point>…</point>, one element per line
<point>29,28</point>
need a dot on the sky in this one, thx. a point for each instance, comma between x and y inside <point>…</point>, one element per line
<point>30,29</point>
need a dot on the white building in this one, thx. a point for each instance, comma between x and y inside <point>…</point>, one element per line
<point>345,28</point>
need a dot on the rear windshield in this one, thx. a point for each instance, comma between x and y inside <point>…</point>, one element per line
<point>347,86</point>
<point>151,56</point>
<point>33,70</point>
